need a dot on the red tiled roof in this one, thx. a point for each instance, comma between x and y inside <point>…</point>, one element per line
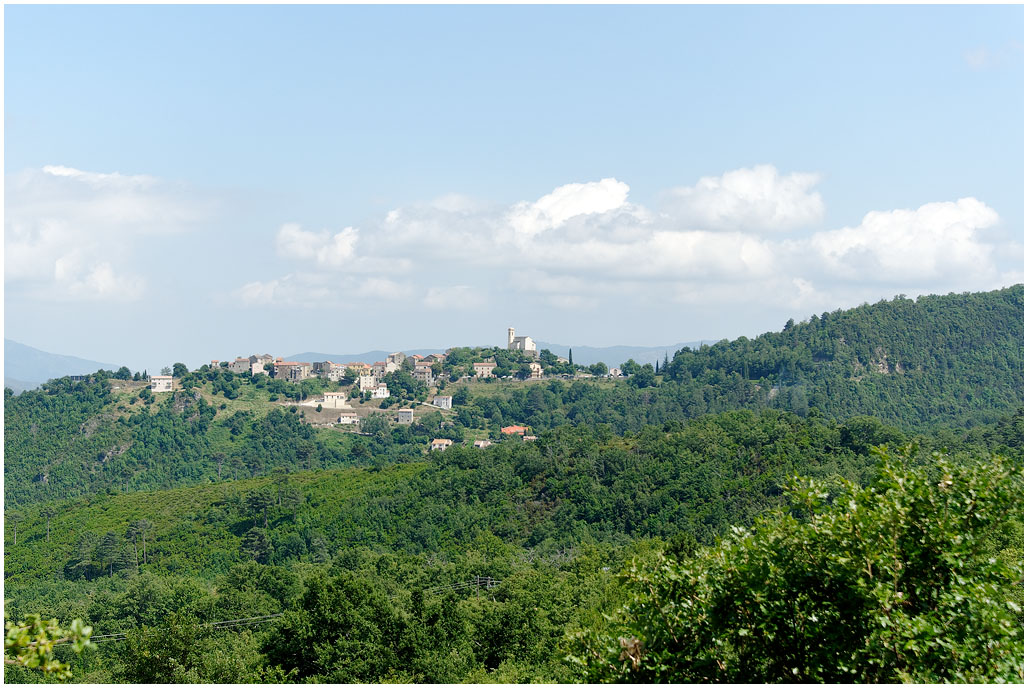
<point>514,429</point>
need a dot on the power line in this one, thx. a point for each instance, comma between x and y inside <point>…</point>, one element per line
<point>478,582</point>
<point>220,624</point>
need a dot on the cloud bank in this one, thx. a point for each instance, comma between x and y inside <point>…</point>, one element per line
<point>756,199</point>
<point>72,234</point>
<point>747,235</point>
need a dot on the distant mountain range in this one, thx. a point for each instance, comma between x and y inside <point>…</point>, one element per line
<point>612,356</point>
<point>364,357</point>
<point>26,367</point>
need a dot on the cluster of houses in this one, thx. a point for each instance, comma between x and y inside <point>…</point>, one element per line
<point>371,379</point>
<point>440,444</point>
<point>370,376</point>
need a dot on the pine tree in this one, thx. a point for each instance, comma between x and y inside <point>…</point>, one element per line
<point>141,526</point>
<point>108,551</point>
<point>48,512</point>
<point>13,517</point>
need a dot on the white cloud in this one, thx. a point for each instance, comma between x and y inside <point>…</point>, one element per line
<point>325,249</point>
<point>585,244</point>
<point>95,282</point>
<point>456,298</point>
<point>318,290</point>
<point>935,242</point>
<point>258,293</point>
<point>977,58</point>
<point>101,179</point>
<point>72,234</point>
<point>1007,55</point>
<point>457,203</point>
<point>753,199</point>
<point>529,219</point>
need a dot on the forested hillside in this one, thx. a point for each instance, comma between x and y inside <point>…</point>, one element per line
<point>553,521</point>
<point>804,499</point>
<point>941,362</point>
<point>957,358</point>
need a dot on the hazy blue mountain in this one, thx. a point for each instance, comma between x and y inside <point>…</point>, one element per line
<point>26,367</point>
<point>366,357</point>
<point>618,354</point>
<point>19,385</point>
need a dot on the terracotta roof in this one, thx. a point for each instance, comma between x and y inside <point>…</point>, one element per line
<point>514,429</point>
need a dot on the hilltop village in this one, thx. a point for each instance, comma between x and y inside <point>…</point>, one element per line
<point>403,389</point>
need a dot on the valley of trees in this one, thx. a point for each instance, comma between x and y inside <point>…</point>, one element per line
<point>840,501</point>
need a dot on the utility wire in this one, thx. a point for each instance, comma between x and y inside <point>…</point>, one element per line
<point>220,624</point>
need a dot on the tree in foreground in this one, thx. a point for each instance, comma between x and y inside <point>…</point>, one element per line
<point>30,644</point>
<point>916,578</point>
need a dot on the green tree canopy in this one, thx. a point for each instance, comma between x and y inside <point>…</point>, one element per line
<point>897,582</point>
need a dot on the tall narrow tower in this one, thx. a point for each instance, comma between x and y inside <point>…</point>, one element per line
<point>510,337</point>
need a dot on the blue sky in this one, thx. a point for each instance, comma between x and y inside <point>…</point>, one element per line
<point>338,178</point>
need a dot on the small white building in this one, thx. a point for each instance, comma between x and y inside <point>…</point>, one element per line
<point>330,370</point>
<point>381,392</point>
<point>482,443</point>
<point>250,366</point>
<point>535,371</point>
<point>484,369</point>
<point>524,344</point>
<point>368,382</point>
<point>615,372</point>
<point>292,371</point>
<point>443,401</point>
<point>348,418</point>
<point>405,415</point>
<point>335,400</point>
<point>440,444</point>
<point>160,383</point>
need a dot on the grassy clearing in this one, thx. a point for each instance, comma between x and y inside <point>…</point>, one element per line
<point>251,399</point>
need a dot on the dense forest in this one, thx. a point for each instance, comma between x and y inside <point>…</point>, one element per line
<point>941,362</point>
<point>775,509</point>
